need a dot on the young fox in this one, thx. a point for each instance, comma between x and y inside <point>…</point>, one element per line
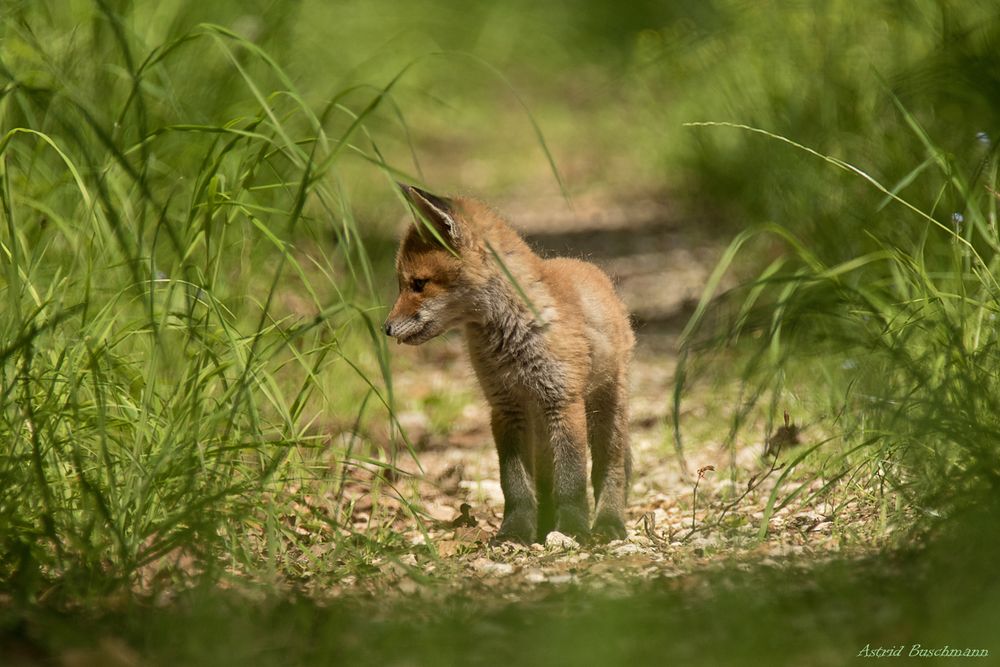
<point>550,343</point>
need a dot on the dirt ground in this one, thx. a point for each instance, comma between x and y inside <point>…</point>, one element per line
<point>660,266</point>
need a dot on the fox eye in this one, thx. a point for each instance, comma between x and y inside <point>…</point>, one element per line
<point>417,284</point>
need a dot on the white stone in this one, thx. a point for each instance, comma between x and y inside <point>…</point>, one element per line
<point>626,550</point>
<point>556,540</point>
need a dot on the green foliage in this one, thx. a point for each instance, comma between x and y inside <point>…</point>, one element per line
<point>824,75</point>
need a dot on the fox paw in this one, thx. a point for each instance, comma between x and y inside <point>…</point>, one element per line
<point>515,529</point>
<point>609,527</point>
<point>572,522</point>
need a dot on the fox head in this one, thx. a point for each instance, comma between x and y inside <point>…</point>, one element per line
<point>436,268</point>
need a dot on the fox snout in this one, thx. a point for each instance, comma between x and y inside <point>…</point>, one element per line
<point>401,327</point>
<point>410,328</point>
<point>415,321</point>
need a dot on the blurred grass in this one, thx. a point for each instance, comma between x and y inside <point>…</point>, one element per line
<point>197,238</point>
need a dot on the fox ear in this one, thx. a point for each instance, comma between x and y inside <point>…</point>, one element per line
<point>437,211</point>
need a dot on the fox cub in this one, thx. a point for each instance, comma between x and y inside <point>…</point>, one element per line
<point>550,342</point>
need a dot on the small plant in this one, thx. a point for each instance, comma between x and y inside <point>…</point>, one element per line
<point>702,471</point>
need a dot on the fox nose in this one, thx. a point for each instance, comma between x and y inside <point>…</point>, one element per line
<point>387,328</point>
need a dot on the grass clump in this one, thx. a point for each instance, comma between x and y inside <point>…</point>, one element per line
<point>182,275</point>
<point>904,332</point>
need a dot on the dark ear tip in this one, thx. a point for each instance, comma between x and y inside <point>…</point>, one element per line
<point>417,195</point>
<point>423,193</point>
<point>412,191</point>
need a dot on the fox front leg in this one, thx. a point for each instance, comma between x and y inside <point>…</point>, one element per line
<point>568,436</point>
<point>520,508</point>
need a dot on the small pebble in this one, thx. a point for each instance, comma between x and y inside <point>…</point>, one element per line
<point>556,540</point>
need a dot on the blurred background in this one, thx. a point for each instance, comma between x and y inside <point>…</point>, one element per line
<point>798,199</point>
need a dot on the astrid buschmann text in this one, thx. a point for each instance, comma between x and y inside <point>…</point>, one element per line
<point>918,651</point>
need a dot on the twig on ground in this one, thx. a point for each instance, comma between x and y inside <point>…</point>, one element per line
<point>649,528</point>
